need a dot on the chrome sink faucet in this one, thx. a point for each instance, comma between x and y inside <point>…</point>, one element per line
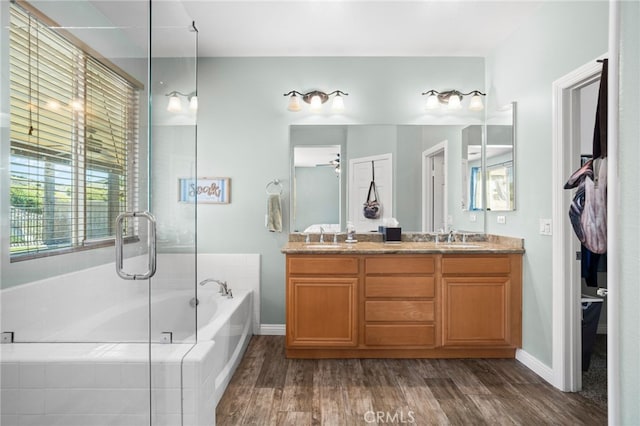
<point>451,237</point>
<point>321,235</point>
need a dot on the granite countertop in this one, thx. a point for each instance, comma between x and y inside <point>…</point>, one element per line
<point>492,245</point>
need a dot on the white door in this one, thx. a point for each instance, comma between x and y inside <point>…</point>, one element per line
<point>360,174</point>
<point>434,188</point>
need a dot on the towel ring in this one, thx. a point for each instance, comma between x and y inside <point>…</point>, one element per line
<point>274,183</point>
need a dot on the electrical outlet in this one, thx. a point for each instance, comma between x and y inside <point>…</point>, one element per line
<point>545,227</point>
<point>7,337</point>
<point>501,219</point>
<point>473,217</point>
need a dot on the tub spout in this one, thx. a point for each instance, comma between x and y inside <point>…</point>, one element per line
<point>222,284</point>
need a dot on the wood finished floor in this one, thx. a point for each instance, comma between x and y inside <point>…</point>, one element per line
<point>268,389</point>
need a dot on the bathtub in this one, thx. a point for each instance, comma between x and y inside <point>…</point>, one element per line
<point>70,381</point>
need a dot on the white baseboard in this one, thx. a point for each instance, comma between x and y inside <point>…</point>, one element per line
<point>535,365</point>
<point>272,329</point>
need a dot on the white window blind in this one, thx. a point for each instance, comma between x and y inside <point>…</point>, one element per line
<point>73,131</point>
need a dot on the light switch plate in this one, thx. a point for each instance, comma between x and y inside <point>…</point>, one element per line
<point>545,227</point>
<point>473,217</point>
<point>502,219</point>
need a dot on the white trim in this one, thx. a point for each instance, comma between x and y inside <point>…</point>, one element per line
<point>427,157</point>
<point>613,197</point>
<point>535,365</point>
<point>566,356</point>
<point>272,329</point>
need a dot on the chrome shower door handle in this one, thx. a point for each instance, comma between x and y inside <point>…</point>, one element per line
<point>151,245</point>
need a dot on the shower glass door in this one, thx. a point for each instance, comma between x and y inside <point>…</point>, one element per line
<point>170,184</point>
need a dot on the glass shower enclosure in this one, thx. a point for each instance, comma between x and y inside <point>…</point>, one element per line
<point>98,238</point>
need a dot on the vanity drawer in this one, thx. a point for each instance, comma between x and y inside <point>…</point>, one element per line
<point>398,335</point>
<point>400,264</point>
<point>462,265</point>
<point>399,310</point>
<point>394,286</point>
<point>325,265</point>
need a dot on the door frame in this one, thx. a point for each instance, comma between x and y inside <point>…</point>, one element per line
<point>427,195</point>
<point>566,307</point>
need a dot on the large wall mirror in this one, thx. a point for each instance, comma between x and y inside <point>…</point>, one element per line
<point>419,173</point>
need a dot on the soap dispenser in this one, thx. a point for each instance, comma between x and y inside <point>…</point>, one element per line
<point>351,233</point>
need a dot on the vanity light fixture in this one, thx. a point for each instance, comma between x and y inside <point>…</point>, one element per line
<point>315,99</point>
<point>175,104</point>
<point>452,99</point>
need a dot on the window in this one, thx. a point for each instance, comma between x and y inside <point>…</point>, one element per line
<point>73,131</point>
<point>475,200</point>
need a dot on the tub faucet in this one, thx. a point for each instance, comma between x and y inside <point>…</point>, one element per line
<point>223,285</point>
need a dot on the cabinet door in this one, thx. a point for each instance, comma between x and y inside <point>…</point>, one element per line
<point>476,311</point>
<point>322,312</point>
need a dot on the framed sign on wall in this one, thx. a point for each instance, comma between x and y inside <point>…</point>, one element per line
<point>204,190</point>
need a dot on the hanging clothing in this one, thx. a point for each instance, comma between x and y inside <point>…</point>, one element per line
<point>592,263</point>
<point>588,210</point>
<point>600,130</point>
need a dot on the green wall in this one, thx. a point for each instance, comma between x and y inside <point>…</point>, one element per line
<point>629,198</point>
<point>243,133</point>
<point>523,69</point>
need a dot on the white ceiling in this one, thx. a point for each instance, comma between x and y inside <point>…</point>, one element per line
<point>327,27</point>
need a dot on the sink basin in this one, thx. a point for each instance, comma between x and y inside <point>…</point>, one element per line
<point>461,246</point>
<point>322,246</point>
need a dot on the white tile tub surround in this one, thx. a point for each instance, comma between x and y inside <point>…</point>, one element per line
<point>240,271</point>
<point>39,310</point>
<point>107,383</point>
<point>51,309</point>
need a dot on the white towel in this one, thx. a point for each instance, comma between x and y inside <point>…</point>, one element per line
<point>274,213</point>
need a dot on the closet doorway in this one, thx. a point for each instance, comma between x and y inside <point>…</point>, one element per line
<point>575,100</point>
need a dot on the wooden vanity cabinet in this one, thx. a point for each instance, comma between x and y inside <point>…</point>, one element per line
<point>481,301</point>
<point>322,301</point>
<point>391,305</point>
<point>399,301</point>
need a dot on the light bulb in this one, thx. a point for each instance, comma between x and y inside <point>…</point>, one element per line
<point>338,104</point>
<point>316,103</point>
<point>432,101</point>
<point>476,103</point>
<point>454,101</point>
<point>294,103</point>
<point>193,103</point>
<point>174,104</point>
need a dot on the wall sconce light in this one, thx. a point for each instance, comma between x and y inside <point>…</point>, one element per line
<point>452,99</point>
<point>175,104</point>
<point>315,99</point>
